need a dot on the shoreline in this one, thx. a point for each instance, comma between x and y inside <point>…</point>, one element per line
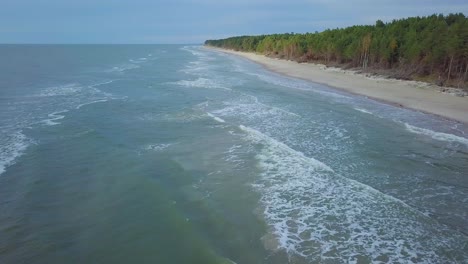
<point>419,96</point>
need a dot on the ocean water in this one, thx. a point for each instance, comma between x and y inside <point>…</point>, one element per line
<point>181,154</point>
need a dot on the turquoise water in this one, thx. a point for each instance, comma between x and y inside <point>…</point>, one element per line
<point>180,154</point>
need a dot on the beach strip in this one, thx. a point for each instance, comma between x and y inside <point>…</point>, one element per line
<point>409,94</point>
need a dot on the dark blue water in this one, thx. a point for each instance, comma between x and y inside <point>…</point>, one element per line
<point>180,154</point>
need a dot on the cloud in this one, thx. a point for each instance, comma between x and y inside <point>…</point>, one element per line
<point>180,21</point>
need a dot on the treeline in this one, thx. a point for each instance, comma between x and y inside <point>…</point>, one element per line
<point>430,48</point>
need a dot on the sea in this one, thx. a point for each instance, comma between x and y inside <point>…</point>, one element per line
<point>183,154</point>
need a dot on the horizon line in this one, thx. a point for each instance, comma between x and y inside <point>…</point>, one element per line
<point>58,43</point>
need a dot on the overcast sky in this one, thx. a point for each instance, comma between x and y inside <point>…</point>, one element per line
<point>193,21</point>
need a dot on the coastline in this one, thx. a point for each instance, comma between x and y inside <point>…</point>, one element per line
<point>414,95</point>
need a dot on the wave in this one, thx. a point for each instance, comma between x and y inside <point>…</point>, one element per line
<point>201,83</point>
<point>140,60</point>
<point>197,68</point>
<point>234,155</point>
<point>44,107</point>
<point>436,135</point>
<point>195,50</point>
<point>220,120</point>
<point>257,136</point>
<point>287,82</point>
<point>101,83</point>
<point>71,96</point>
<point>13,146</point>
<point>186,116</point>
<point>363,111</point>
<point>192,50</point>
<point>53,117</point>
<point>157,147</point>
<point>123,68</point>
<point>70,89</point>
<point>61,90</point>
<point>47,106</point>
<point>251,108</point>
<point>324,217</point>
<point>93,102</point>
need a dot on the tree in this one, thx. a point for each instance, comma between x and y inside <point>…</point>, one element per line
<point>436,45</point>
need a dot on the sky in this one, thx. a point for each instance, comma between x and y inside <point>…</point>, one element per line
<point>194,21</point>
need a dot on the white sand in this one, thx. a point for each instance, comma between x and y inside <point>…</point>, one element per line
<point>410,94</point>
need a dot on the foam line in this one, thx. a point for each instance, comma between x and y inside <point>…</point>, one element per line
<point>157,147</point>
<point>123,68</point>
<point>93,102</point>
<point>55,116</point>
<point>220,120</point>
<point>201,83</point>
<point>61,90</point>
<point>325,217</point>
<point>258,136</point>
<point>363,111</point>
<point>13,147</point>
<point>436,135</point>
<point>101,83</point>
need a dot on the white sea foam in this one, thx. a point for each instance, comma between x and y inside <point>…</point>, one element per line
<point>49,105</point>
<point>61,90</point>
<point>363,111</point>
<point>70,96</point>
<point>101,83</point>
<point>13,146</point>
<point>201,83</point>
<point>157,147</point>
<point>259,137</point>
<point>234,155</point>
<point>220,120</point>
<point>324,217</point>
<point>273,108</point>
<point>71,89</point>
<point>197,68</point>
<point>183,116</point>
<point>436,135</point>
<point>92,102</point>
<point>53,117</point>
<point>293,83</point>
<point>252,108</point>
<point>196,51</point>
<point>124,67</point>
<point>193,50</point>
<point>137,61</point>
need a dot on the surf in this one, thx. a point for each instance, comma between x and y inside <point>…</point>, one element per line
<point>311,209</point>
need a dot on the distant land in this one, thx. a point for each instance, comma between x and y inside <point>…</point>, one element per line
<point>432,49</point>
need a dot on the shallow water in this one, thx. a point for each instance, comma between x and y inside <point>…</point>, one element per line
<point>179,154</point>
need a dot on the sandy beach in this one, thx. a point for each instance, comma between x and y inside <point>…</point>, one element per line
<point>409,94</point>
